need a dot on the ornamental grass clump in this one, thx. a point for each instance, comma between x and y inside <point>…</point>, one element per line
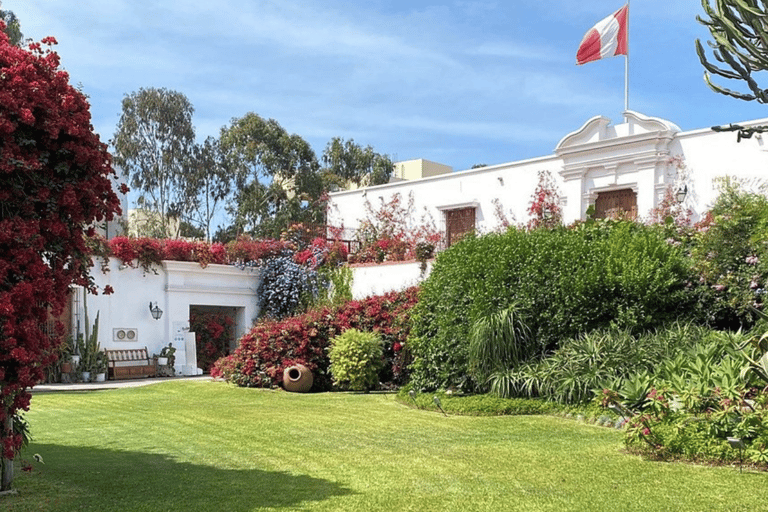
<point>356,358</point>
<point>498,341</point>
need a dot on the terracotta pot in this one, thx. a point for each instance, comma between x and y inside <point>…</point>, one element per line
<point>66,367</point>
<point>297,379</point>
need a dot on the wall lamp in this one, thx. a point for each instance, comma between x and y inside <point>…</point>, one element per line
<point>155,310</point>
<point>681,193</point>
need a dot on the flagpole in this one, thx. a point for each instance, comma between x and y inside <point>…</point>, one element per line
<point>626,67</point>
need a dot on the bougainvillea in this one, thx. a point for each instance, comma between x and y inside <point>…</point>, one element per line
<point>55,180</point>
<point>544,209</point>
<point>148,253</point>
<point>391,232</point>
<point>272,345</point>
<point>213,332</point>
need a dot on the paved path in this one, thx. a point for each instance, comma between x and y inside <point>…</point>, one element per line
<point>110,384</point>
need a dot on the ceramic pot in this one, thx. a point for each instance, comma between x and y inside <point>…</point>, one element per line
<point>297,379</point>
<point>101,377</point>
<point>86,376</point>
<point>162,361</point>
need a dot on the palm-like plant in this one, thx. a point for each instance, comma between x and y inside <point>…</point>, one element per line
<point>498,342</point>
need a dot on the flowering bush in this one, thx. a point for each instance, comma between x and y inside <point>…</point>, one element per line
<point>321,252</point>
<point>55,178</point>
<point>273,345</point>
<point>390,234</point>
<point>286,287</point>
<point>544,209</point>
<point>148,253</point>
<point>246,250</point>
<point>214,333</point>
<point>730,254</point>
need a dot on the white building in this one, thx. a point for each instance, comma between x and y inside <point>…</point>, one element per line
<point>179,289</point>
<point>630,166</point>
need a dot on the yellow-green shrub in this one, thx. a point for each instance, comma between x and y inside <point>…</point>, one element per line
<point>356,358</point>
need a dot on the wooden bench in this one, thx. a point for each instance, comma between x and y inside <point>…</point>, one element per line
<point>133,363</point>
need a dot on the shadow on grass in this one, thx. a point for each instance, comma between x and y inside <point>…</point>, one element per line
<point>96,479</point>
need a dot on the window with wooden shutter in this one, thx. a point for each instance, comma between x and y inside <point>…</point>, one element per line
<point>616,203</point>
<point>458,223</point>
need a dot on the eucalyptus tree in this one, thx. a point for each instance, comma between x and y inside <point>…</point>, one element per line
<point>153,141</point>
<point>276,176</point>
<point>348,162</point>
<point>12,27</point>
<point>208,183</point>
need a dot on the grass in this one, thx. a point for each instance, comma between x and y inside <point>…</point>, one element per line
<point>205,446</point>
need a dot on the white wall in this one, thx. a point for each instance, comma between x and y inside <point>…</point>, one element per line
<point>512,184</point>
<point>710,155</point>
<point>175,287</point>
<point>370,280</point>
<point>636,153</point>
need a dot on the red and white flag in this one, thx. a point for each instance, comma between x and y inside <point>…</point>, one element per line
<point>606,39</point>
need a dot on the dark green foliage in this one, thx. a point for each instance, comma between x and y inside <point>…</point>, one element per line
<point>564,282</point>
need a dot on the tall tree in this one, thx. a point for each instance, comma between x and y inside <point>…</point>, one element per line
<point>153,142</point>
<point>348,162</point>
<point>56,178</point>
<point>740,34</point>
<point>208,182</point>
<point>276,175</point>
<point>12,27</point>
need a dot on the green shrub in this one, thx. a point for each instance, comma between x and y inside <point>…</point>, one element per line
<point>696,401</point>
<point>356,358</point>
<point>564,282</point>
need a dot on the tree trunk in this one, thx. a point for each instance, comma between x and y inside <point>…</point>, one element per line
<point>7,464</point>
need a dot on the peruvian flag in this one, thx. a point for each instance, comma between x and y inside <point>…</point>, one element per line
<point>606,39</point>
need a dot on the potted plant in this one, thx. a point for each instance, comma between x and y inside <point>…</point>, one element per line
<point>100,366</point>
<point>167,359</point>
<point>65,362</point>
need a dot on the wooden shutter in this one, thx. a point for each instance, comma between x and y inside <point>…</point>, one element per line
<point>458,223</point>
<point>616,203</point>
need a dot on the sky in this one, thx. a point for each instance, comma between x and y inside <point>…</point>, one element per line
<point>457,82</point>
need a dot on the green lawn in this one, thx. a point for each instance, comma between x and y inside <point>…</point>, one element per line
<point>211,447</point>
